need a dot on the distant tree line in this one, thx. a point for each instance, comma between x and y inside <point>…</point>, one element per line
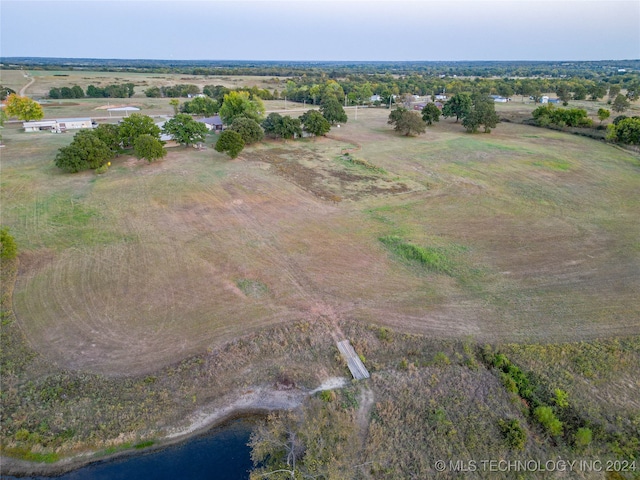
<point>329,69</point>
<point>125,90</point>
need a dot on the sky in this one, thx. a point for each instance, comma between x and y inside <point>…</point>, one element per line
<point>346,30</point>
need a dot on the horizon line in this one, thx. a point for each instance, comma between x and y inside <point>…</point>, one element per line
<point>13,57</point>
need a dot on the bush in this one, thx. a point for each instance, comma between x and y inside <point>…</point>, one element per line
<point>513,433</point>
<point>583,437</point>
<point>102,169</point>
<point>548,420</point>
<point>626,131</point>
<point>8,247</point>
<point>441,359</point>
<point>571,117</point>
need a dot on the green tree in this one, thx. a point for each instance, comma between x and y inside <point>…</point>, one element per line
<point>563,93</point>
<point>289,128</point>
<point>86,151</point>
<point>23,108</point>
<point>201,106</point>
<point>77,91</point>
<point>110,135</point>
<point>248,128</point>
<point>153,92</point>
<point>407,122</point>
<point>271,124</point>
<point>135,125</point>
<point>459,106</point>
<point>620,104</point>
<point>482,113</point>
<point>633,91</point>
<point>614,90</point>
<point>185,130</point>
<point>95,92</point>
<point>332,89</point>
<point>8,247</point>
<point>626,130</point>
<point>332,110</point>
<point>431,113</point>
<point>238,104</point>
<point>175,103</point>
<point>230,142</point>
<point>505,90</point>
<point>149,148</point>
<point>603,114</point>
<point>314,123</point>
<point>579,92</point>
<point>597,90</point>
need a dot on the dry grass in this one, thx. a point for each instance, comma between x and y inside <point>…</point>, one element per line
<point>152,272</point>
<point>140,267</point>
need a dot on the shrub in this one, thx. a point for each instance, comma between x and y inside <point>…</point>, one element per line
<point>548,420</point>
<point>102,169</point>
<point>384,334</point>
<point>561,398</point>
<point>441,359</point>
<point>583,437</point>
<point>513,433</point>
<point>327,396</point>
<point>8,247</point>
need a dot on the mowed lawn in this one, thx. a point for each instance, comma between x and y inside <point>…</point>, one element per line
<point>150,263</point>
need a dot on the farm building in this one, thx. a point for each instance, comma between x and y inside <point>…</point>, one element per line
<point>212,123</point>
<point>59,125</point>
<point>40,126</point>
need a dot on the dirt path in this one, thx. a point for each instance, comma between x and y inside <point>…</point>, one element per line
<point>289,269</point>
<point>365,404</point>
<point>24,89</point>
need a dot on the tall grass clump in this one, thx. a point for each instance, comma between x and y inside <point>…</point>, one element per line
<point>432,259</point>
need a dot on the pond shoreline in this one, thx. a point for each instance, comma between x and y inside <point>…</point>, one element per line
<point>254,401</point>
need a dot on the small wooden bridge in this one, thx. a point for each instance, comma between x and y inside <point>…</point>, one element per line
<point>357,368</point>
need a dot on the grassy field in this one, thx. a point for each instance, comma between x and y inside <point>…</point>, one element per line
<point>97,107</point>
<point>141,266</point>
<point>156,270</point>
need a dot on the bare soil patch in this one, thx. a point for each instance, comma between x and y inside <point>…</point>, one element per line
<point>329,179</point>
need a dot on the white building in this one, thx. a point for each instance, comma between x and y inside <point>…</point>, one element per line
<point>59,125</point>
<point>41,126</point>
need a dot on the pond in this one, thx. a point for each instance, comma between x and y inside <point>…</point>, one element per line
<point>222,454</point>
